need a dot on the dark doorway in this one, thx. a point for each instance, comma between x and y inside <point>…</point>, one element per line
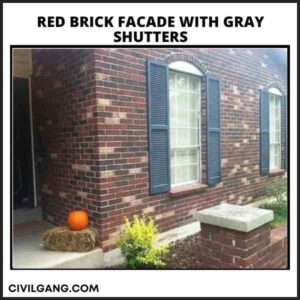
<point>23,185</point>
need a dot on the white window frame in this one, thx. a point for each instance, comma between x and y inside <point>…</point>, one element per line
<point>274,92</point>
<point>189,69</point>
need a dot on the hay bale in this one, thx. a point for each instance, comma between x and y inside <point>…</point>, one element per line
<point>64,239</point>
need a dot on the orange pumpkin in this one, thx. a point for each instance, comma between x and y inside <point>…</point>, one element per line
<point>78,220</point>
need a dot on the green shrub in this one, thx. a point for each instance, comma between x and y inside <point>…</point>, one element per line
<point>136,244</point>
<point>277,190</point>
<point>280,212</point>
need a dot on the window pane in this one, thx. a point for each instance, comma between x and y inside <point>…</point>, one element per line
<point>277,156</point>
<point>272,113</point>
<point>271,156</point>
<point>272,106</point>
<point>193,137</point>
<point>182,118</point>
<point>173,99</point>
<point>181,175</point>
<point>194,122</point>
<point>182,137</point>
<point>182,101</point>
<point>274,159</point>
<point>181,82</point>
<point>194,84</point>
<point>277,162</point>
<point>193,156</point>
<point>276,113</point>
<point>193,172</point>
<point>194,103</point>
<point>181,157</point>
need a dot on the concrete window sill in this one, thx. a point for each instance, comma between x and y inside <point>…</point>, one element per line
<point>276,172</point>
<point>187,189</point>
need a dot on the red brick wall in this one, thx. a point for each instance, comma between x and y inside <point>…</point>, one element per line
<point>117,145</point>
<point>278,248</point>
<point>66,133</point>
<point>260,248</point>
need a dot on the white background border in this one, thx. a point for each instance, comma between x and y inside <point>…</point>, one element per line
<point>279,27</point>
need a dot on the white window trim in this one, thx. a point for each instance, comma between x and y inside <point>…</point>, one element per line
<point>276,92</point>
<point>189,69</point>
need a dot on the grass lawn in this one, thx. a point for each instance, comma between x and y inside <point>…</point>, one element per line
<point>280,212</point>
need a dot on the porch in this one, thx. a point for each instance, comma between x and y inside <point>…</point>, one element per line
<point>28,251</point>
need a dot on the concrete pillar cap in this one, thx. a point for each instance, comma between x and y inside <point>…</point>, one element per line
<point>236,217</point>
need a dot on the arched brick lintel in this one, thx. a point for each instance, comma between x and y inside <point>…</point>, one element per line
<point>180,56</point>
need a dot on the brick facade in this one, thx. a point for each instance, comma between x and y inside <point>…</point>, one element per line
<point>66,133</point>
<point>90,116</point>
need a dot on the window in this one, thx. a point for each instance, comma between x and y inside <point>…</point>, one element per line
<point>275,131</point>
<point>272,108</point>
<point>174,118</point>
<point>184,105</point>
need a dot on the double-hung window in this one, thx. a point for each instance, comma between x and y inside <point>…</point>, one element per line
<point>184,105</point>
<point>273,106</point>
<point>275,131</point>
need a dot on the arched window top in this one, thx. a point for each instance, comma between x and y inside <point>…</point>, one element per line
<point>275,91</point>
<point>183,66</point>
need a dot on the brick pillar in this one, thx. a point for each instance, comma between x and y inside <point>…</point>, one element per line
<point>225,248</point>
<point>234,236</point>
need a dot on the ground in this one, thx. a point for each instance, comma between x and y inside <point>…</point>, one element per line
<point>184,254</point>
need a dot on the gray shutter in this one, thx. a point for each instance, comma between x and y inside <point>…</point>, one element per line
<point>213,130</point>
<point>264,133</point>
<point>158,118</point>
